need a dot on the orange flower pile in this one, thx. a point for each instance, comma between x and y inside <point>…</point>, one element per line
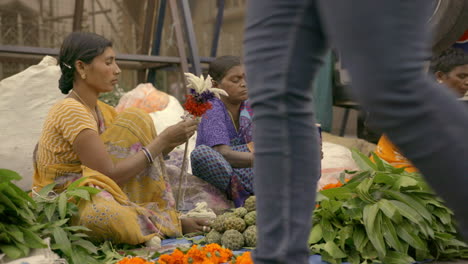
<point>209,254</point>
<point>334,185</point>
<point>134,260</point>
<point>245,258</point>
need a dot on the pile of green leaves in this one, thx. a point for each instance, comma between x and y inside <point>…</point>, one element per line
<point>17,218</point>
<point>383,215</point>
<point>25,222</point>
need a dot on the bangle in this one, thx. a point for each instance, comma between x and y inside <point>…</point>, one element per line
<point>147,154</point>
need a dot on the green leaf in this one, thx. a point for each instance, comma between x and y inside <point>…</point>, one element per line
<point>22,195</point>
<point>49,210</point>
<point>378,162</point>
<point>360,239</point>
<point>79,193</point>
<point>75,184</point>
<point>370,253</point>
<point>328,232</point>
<point>354,258</point>
<point>393,257</point>
<point>80,255</point>
<point>362,161</point>
<point>390,235</point>
<point>77,228</point>
<point>32,240</point>
<point>59,223</point>
<point>90,190</point>
<point>24,249</point>
<point>44,192</point>
<point>62,204</point>
<point>342,178</point>
<point>334,251</point>
<point>315,235</point>
<point>9,175</point>
<point>390,210</point>
<point>372,223</point>
<point>15,233</point>
<point>6,201</point>
<point>340,193</point>
<point>345,233</point>
<point>12,251</point>
<point>384,178</point>
<point>62,241</point>
<point>320,197</point>
<point>407,212</point>
<point>408,199</point>
<point>90,247</point>
<point>363,190</point>
<point>405,232</point>
<point>405,181</point>
<point>442,214</point>
<point>77,236</point>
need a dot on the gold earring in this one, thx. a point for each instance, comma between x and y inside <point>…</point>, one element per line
<point>83,76</point>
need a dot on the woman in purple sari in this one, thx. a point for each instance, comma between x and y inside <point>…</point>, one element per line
<point>224,151</point>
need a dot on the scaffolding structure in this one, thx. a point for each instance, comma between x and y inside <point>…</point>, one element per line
<point>150,36</point>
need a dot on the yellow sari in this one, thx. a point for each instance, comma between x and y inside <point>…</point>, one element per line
<point>133,213</point>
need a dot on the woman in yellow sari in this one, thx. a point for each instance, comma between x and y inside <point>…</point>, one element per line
<point>449,68</point>
<point>117,153</point>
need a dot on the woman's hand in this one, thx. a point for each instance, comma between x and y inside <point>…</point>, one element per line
<point>192,225</point>
<point>177,134</point>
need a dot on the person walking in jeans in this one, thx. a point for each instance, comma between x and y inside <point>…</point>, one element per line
<point>384,45</point>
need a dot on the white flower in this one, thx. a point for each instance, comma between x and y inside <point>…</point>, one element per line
<point>200,85</point>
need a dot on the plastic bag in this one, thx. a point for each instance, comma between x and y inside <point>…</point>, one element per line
<point>336,159</point>
<point>195,190</point>
<point>146,97</point>
<point>25,100</point>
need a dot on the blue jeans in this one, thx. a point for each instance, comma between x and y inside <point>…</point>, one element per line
<point>384,45</point>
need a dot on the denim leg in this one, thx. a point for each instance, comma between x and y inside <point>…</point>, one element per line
<point>384,45</point>
<point>284,45</point>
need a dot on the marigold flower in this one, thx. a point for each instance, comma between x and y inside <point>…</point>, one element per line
<point>245,258</point>
<point>134,260</point>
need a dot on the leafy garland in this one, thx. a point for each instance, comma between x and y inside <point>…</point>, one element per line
<point>383,215</point>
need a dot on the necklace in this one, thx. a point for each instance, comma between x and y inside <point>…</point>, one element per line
<point>83,102</point>
<point>232,119</point>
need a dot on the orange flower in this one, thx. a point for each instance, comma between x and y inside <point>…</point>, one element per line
<point>209,254</point>
<point>217,253</point>
<point>334,185</point>
<point>245,258</point>
<point>134,260</point>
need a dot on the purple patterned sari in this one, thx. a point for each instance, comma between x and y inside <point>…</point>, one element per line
<point>217,128</point>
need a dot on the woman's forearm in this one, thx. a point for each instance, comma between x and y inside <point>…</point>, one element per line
<point>128,168</point>
<point>237,159</point>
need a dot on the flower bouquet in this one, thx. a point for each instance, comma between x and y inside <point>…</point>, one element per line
<point>197,103</point>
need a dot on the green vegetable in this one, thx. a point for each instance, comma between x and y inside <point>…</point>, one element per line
<point>383,214</point>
